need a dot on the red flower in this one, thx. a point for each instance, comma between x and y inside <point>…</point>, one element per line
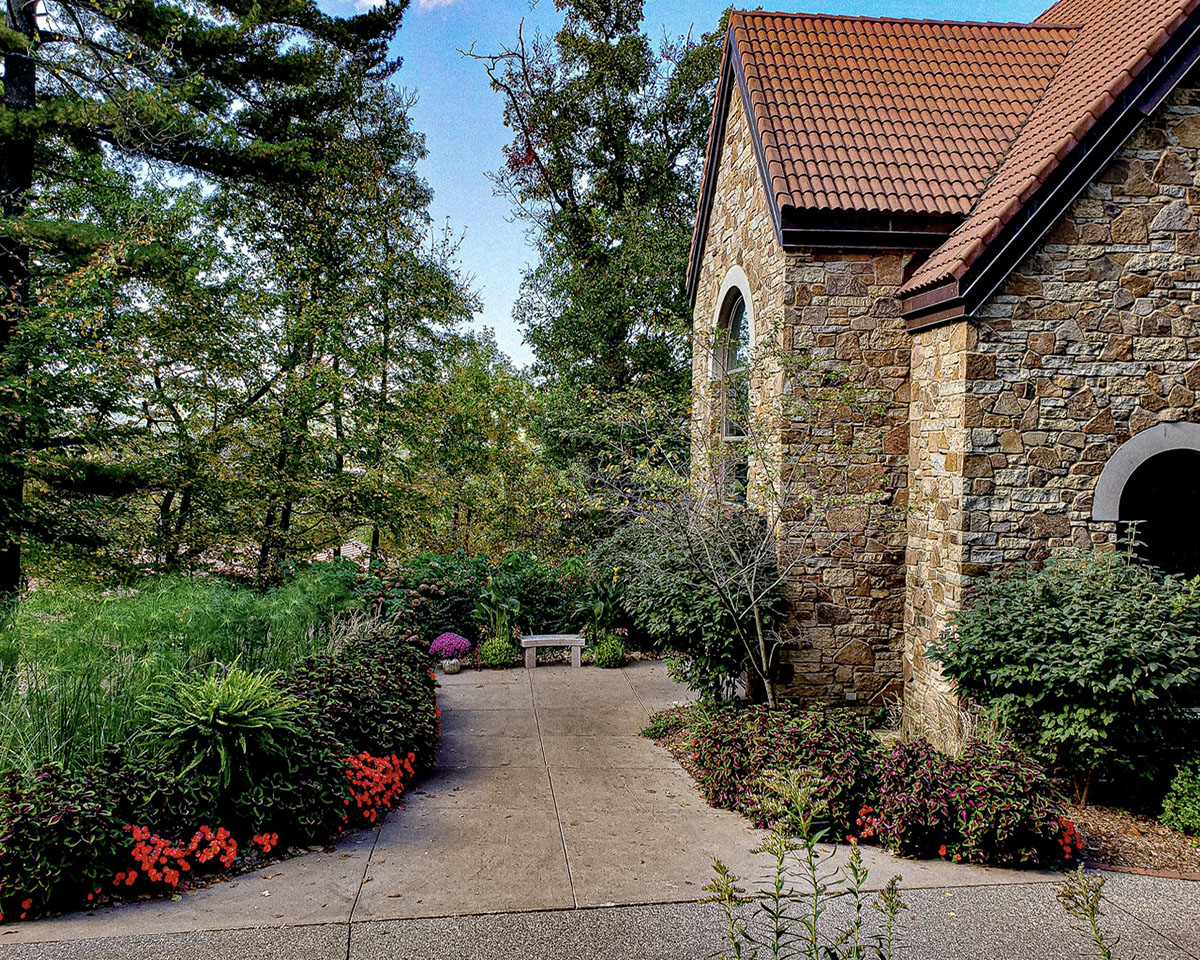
<point>942,850</point>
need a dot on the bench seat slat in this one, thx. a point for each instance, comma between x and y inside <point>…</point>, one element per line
<point>553,640</point>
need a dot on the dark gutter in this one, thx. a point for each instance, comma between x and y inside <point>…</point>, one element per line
<point>1066,182</point>
<point>716,140</point>
<point>864,231</point>
<point>760,152</point>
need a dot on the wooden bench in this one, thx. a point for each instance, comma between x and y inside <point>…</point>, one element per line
<point>572,640</point>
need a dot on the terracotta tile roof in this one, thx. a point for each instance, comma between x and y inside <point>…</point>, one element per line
<point>1116,40</point>
<point>889,115</point>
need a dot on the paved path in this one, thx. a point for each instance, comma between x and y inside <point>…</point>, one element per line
<point>551,829</point>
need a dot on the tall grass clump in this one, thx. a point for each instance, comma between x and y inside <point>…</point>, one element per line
<point>77,664</point>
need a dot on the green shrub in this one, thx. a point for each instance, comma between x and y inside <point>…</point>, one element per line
<point>59,838</point>
<point>736,748</point>
<point>599,606</point>
<point>222,722</point>
<point>1093,660</point>
<point>496,612</point>
<point>438,593</point>
<point>675,612</point>
<point>609,650</point>
<point>149,790</point>
<point>1181,807</point>
<point>991,804</point>
<point>376,695</point>
<point>435,593</point>
<point>546,592</point>
<point>497,652</point>
<point>298,790</point>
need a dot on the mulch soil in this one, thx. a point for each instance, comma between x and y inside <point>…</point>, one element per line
<point>1122,839</point>
<point>1111,837</point>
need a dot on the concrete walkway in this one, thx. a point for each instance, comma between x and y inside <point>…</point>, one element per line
<point>551,829</point>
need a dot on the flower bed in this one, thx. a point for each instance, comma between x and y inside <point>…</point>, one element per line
<point>346,733</point>
<point>989,804</point>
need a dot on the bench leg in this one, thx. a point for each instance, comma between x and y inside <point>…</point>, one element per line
<point>530,658</point>
<point>577,656</point>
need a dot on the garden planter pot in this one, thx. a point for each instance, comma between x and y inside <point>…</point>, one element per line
<point>451,666</point>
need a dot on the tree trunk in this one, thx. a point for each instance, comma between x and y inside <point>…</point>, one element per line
<point>764,654</point>
<point>16,179</point>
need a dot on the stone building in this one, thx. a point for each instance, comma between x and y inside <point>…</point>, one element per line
<point>994,226</point>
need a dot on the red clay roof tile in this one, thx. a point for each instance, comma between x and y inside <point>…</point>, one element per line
<point>934,117</point>
<point>888,115</point>
<point>1116,40</point>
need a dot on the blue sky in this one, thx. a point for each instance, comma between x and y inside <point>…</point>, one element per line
<point>461,116</point>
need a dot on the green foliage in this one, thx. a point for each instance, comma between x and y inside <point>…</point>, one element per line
<point>605,161</point>
<point>435,592</point>
<point>293,788</point>
<point>90,130</point>
<point>1181,806</point>
<point>438,593</point>
<point>600,605</point>
<point>678,612</point>
<point>253,755</point>
<point>1081,895</point>
<point>496,612</point>
<point>1094,660</point>
<point>545,591</point>
<point>497,651</point>
<point>664,723</point>
<point>608,649</point>
<point>223,721</point>
<point>736,750</point>
<point>794,909</point>
<point>990,804</point>
<point>375,694</point>
<point>88,658</point>
<point>59,837</point>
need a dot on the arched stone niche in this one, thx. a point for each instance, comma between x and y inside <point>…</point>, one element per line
<point>1151,488</point>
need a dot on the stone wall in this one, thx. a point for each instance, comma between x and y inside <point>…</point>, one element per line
<point>847,599</point>
<point>740,234</point>
<point>937,478</point>
<point>991,432</point>
<point>846,631</point>
<point>1093,339</point>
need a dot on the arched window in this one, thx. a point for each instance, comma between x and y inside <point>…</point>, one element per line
<point>733,370</point>
<point>1152,485</point>
<point>1162,498</point>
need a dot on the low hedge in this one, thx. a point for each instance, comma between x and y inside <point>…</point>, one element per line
<point>363,721</point>
<point>990,804</point>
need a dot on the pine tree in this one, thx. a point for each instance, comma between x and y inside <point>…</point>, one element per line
<point>221,91</point>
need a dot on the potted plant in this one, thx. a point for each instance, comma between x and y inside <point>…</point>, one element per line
<point>451,649</point>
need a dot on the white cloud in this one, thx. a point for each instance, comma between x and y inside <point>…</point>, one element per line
<point>363,5</point>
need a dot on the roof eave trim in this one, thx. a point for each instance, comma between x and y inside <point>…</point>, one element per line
<point>932,307</point>
<point>731,64</point>
<point>764,171</point>
<point>1069,179</point>
<point>708,185</point>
